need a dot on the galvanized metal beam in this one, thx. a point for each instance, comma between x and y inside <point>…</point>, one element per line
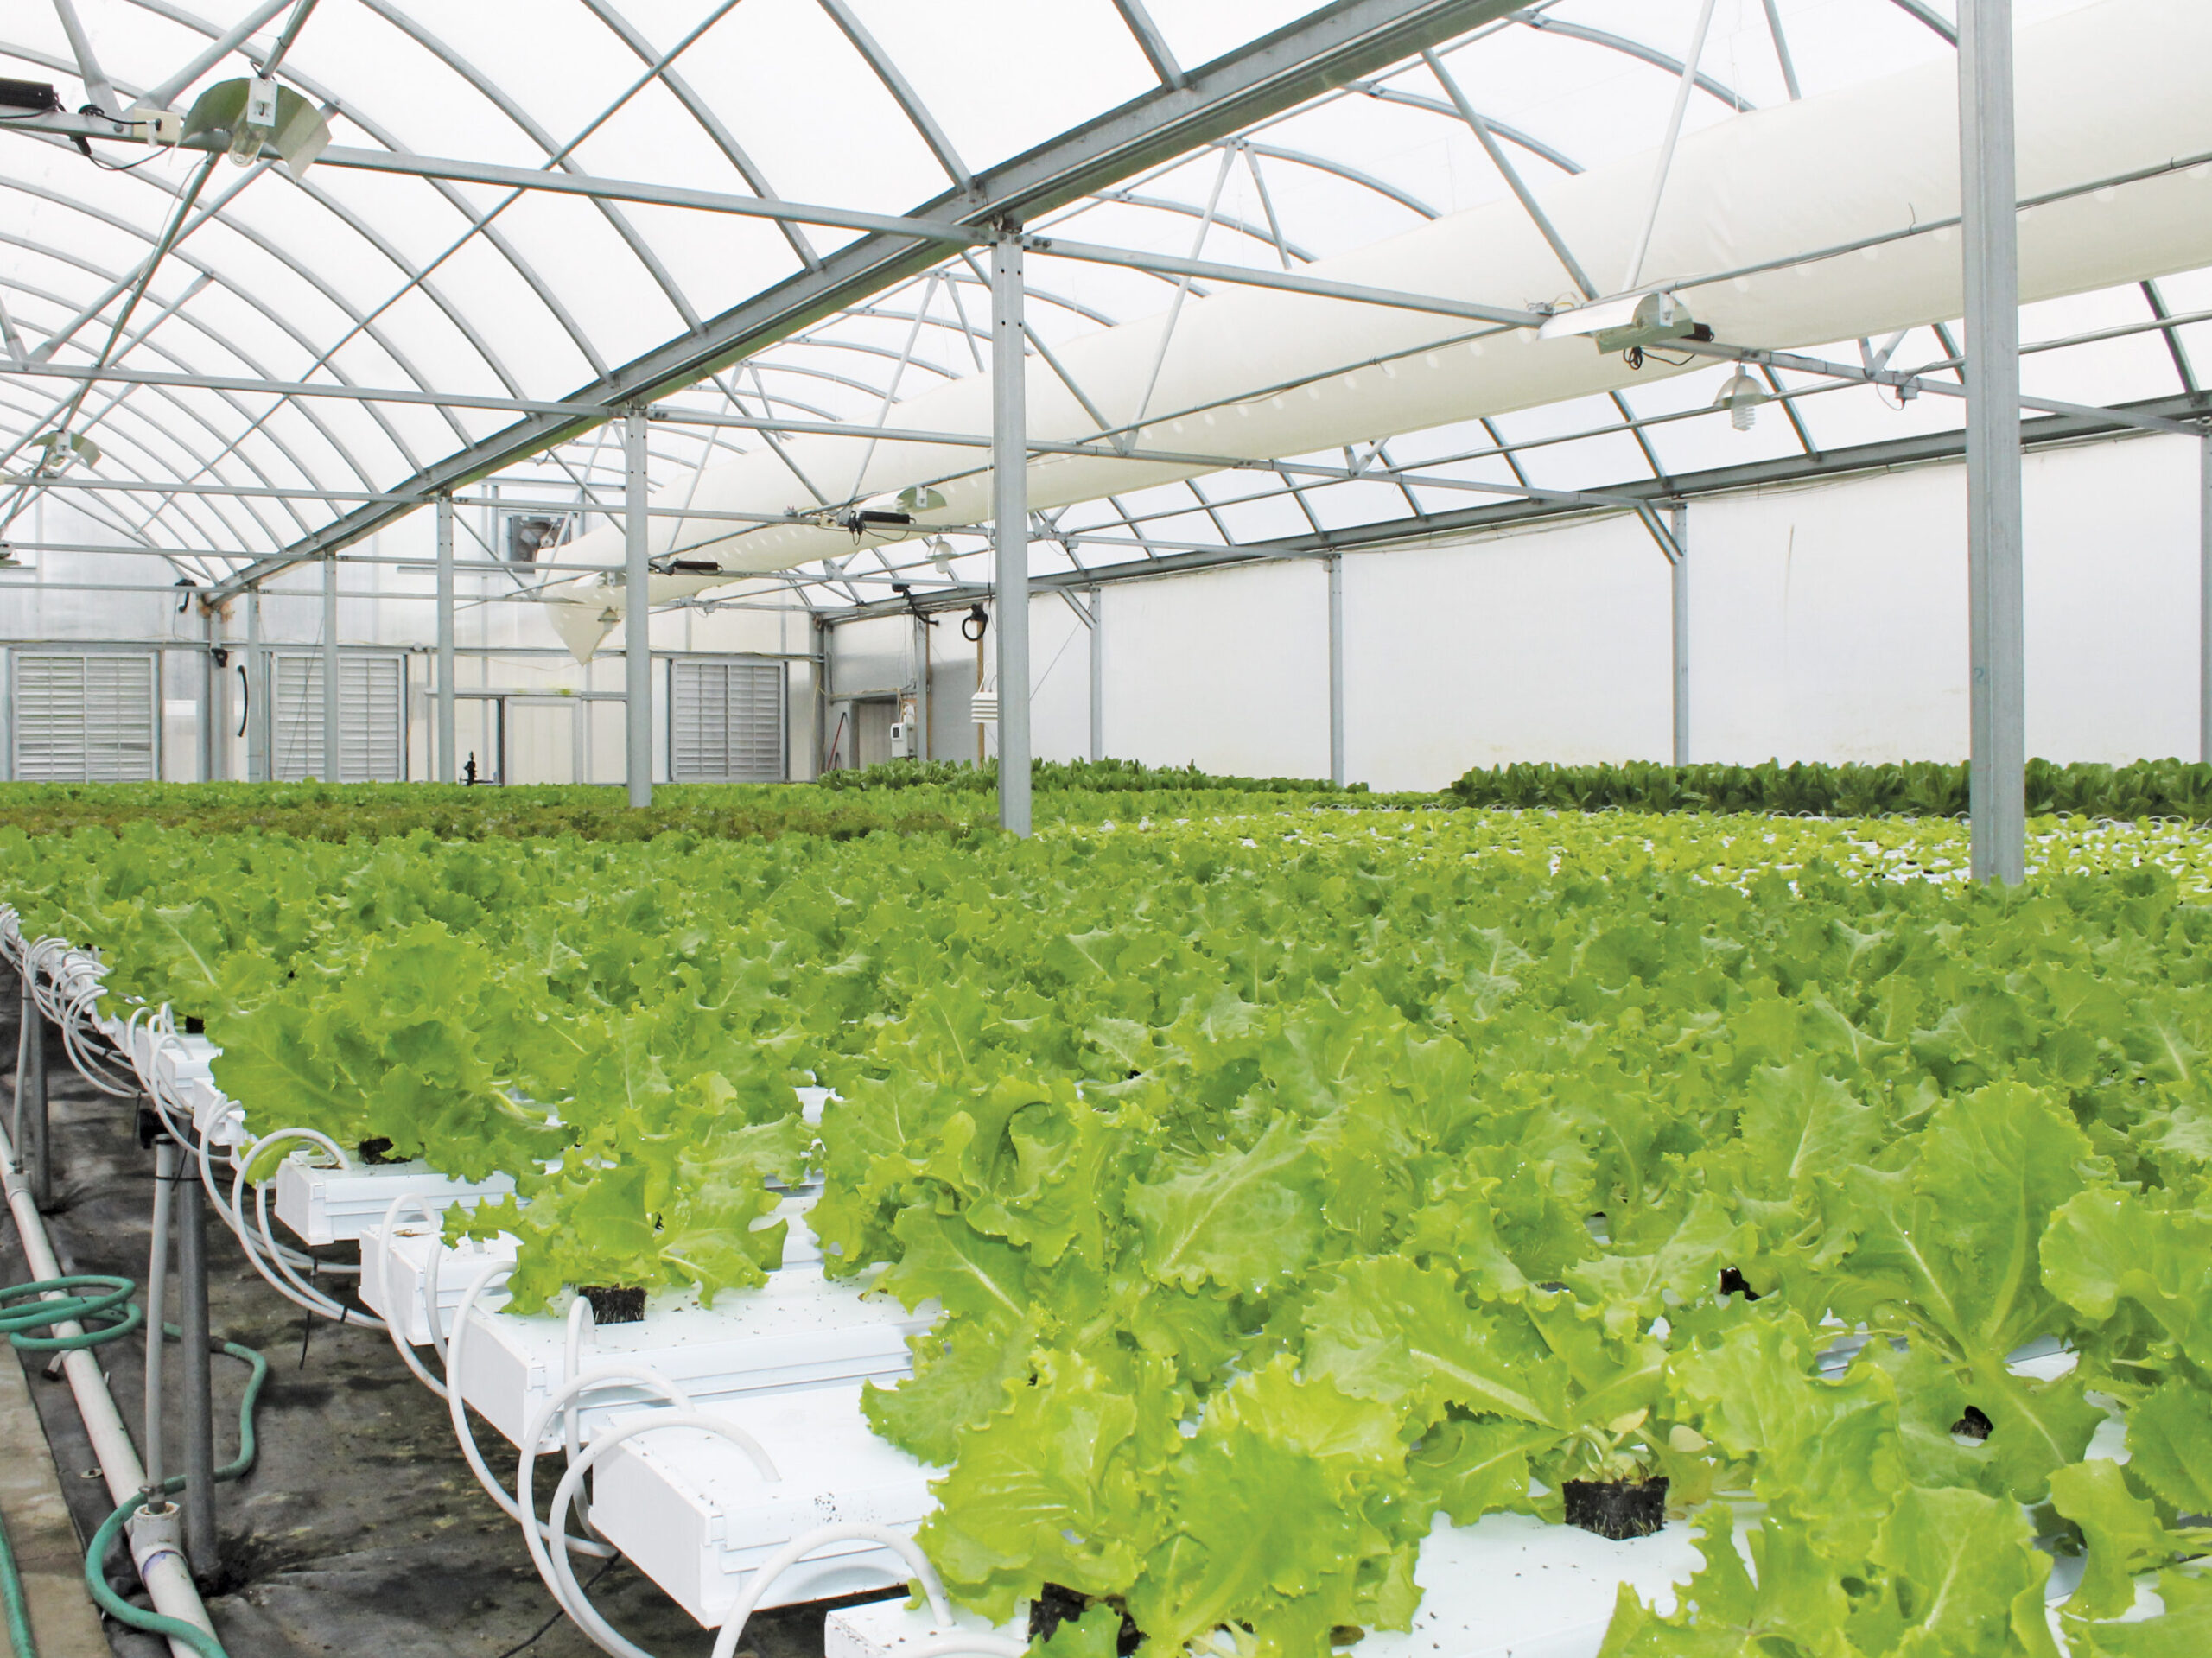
<point>1333,45</point>
<point>1995,590</point>
<point>1894,455</point>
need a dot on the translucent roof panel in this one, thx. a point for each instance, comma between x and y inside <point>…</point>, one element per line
<point>411,261</point>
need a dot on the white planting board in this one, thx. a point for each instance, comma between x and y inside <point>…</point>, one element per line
<point>323,1204</point>
<point>797,1331</point>
<point>393,1287</point>
<point>694,1514</point>
<point>418,1242</point>
<point>1506,1587</point>
<point>800,1330</point>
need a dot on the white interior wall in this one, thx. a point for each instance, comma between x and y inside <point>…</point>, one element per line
<point>1827,623</point>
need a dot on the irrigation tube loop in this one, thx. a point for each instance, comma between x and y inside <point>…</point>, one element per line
<point>77,982</point>
<point>458,1410</point>
<point>235,1219</point>
<point>426,1291</point>
<point>293,1288</point>
<point>559,1576</point>
<point>765,1575</point>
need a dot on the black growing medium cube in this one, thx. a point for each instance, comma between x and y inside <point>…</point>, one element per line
<point>1618,1508</point>
<point>1056,1605</point>
<point>614,1304</point>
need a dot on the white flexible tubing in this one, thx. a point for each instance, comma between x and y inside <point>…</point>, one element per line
<point>322,1305</point>
<point>457,1409</point>
<point>74,1011</point>
<point>167,1580</point>
<point>235,1219</point>
<point>580,1319</point>
<point>568,1591</point>
<point>278,1254</point>
<point>307,1295</point>
<point>395,1319</point>
<point>805,1543</point>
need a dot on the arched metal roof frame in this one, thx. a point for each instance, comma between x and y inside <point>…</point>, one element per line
<point>283,257</point>
<point>1357,28</point>
<point>1377,90</point>
<point>450,193</point>
<point>820,336</point>
<point>140,336</point>
<point>455,314</point>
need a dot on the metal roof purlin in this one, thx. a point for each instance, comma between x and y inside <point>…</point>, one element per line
<point>1323,50</point>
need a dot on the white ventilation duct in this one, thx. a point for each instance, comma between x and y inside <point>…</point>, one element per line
<point>2108,91</point>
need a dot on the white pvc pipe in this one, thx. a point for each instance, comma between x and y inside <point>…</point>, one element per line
<point>157,1282</point>
<point>160,1565</point>
<point>2106,92</point>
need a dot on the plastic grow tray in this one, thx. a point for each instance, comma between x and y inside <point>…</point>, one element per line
<point>693,1512</point>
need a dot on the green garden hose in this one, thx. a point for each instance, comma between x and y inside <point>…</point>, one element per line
<point>116,1316</point>
<point>120,1314</point>
<point>96,1579</point>
<point>12,1594</point>
<point>112,1315</point>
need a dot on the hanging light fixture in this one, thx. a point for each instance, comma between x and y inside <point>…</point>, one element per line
<point>1741,396</point>
<point>63,450</point>
<point>255,116</point>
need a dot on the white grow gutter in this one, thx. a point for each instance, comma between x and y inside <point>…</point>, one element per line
<point>2112,120</point>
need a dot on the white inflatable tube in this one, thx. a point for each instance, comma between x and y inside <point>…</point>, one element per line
<point>2110,92</point>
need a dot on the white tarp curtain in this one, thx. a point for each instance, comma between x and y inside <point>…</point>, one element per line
<point>875,104</point>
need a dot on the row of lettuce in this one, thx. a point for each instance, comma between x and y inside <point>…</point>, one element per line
<point>947,797</point>
<point>1290,1185</point>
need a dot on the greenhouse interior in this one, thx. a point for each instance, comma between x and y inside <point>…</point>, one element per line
<point>853,829</point>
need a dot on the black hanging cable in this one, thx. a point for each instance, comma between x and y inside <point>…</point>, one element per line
<point>543,1628</point>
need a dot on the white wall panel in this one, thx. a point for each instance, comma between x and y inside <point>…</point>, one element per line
<point>1229,669</point>
<point>1827,624</point>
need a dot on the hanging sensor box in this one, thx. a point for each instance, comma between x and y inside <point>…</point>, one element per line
<point>905,732</point>
<point>33,95</point>
<point>261,103</point>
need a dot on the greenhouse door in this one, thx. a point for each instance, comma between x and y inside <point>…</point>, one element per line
<point>726,721</point>
<point>371,718</point>
<point>84,718</point>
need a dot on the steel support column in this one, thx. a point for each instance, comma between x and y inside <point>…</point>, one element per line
<point>1010,530</point>
<point>157,1289</point>
<point>1678,578</point>
<point>637,616</point>
<point>1997,794</point>
<point>1097,675</point>
<point>260,687</point>
<point>29,1129</point>
<point>211,719</point>
<point>2204,599</point>
<point>919,738</point>
<point>822,642</point>
<point>201,1544</point>
<point>448,762</point>
<point>1337,668</point>
<point>330,668</point>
